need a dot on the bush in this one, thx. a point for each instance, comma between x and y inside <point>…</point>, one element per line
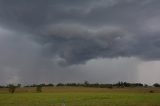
<point>39,88</point>
<point>11,88</point>
<point>151,91</point>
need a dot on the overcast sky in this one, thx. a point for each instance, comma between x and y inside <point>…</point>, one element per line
<point>105,41</point>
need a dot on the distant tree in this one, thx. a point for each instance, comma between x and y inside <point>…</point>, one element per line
<point>43,85</point>
<point>126,84</point>
<point>145,85</point>
<point>110,86</point>
<point>18,85</point>
<point>39,88</point>
<point>60,84</point>
<point>156,85</point>
<point>11,88</point>
<point>2,86</point>
<point>119,84</point>
<point>50,85</point>
<point>86,83</point>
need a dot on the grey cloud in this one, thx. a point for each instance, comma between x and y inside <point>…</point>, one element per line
<point>77,44</point>
<point>67,30</point>
<point>41,35</point>
<point>34,14</point>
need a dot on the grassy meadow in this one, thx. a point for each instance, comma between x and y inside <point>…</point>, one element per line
<point>81,96</point>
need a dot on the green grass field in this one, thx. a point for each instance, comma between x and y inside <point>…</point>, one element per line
<point>81,97</point>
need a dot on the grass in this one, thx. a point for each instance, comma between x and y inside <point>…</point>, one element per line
<point>81,97</point>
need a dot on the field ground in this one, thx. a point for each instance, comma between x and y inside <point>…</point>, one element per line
<point>79,96</point>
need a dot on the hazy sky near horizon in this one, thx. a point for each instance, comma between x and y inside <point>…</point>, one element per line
<point>105,41</point>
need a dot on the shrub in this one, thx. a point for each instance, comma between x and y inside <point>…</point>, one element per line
<point>151,91</point>
<point>11,88</point>
<point>39,88</point>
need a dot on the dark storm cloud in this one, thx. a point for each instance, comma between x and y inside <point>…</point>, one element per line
<point>68,28</point>
<point>41,34</point>
<point>77,44</point>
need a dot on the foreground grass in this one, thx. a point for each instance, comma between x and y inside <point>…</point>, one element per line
<point>82,97</point>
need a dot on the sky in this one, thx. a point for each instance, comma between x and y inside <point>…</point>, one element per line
<point>104,41</point>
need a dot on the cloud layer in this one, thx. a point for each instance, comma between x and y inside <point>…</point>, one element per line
<point>48,35</point>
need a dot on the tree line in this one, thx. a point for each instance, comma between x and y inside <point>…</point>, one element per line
<point>12,87</point>
<point>98,85</point>
<point>119,84</point>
